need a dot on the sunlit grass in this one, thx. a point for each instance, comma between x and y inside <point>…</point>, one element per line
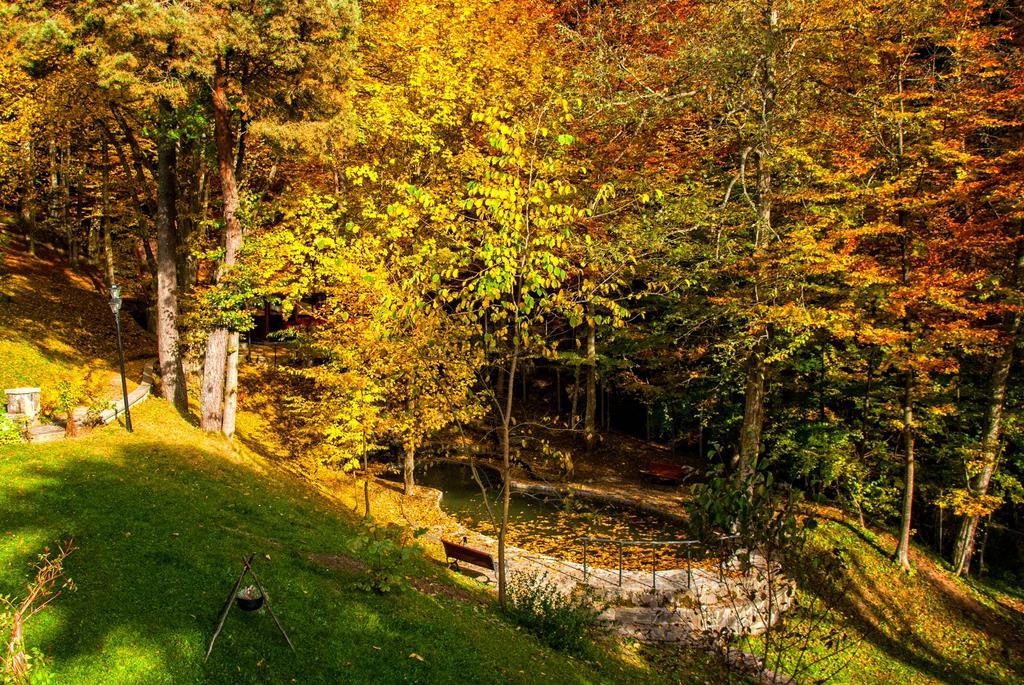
<point>161,519</point>
<point>925,627</point>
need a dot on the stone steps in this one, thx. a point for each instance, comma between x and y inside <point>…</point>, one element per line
<point>56,431</point>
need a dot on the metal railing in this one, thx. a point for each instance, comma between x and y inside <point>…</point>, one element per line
<point>688,545</point>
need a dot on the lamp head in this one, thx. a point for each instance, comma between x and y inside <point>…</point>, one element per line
<point>115,298</point>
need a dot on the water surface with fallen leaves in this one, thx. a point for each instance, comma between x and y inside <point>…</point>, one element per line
<point>555,526</point>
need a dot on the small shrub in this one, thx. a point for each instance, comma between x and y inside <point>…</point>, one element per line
<point>386,552</point>
<point>19,661</point>
<point>10,431</point>
<point>95,406</point>
<point>564,621</point>
<point>69,396</point>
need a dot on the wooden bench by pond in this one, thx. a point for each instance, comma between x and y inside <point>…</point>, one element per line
<point>665,472</point>
<point>454,553</point>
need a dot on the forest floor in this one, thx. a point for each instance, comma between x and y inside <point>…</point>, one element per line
<point>161,518</point>
<point>57,326</point>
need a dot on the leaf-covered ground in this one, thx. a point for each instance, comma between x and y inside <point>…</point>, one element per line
<point>55,325</point>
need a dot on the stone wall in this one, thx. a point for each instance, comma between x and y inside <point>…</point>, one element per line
<point>674,605</point>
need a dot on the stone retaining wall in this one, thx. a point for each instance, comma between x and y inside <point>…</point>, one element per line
<point>674,605</point>
<point>742,596</point>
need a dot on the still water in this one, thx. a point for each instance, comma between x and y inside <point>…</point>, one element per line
<point>550,525</point>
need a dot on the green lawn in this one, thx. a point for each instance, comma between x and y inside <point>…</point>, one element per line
<point>161,519</point>
<point>924,627</point>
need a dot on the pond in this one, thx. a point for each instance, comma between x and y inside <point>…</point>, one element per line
<point>554,526</point>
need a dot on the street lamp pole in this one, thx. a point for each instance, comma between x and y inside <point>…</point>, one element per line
<point>115,306</point>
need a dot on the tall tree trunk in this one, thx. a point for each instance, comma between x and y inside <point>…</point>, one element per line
<point>409,467</point>
<point>108,243</point>
<point>590,412</point>
<point>211,396</point>
<point>92,241</point>
<point>143,202</point>
<point>65,206</point>
<point>506,474</point>
<point>574,416</point>
<point>993,429</point>
<point>902,554</point>
<point>28,197</point>
<point>215,367</point>
<point>754,389</point>
<point>187,223</point>
<point>903,547</point>
<point>231,385</point>
<point>172,372</point>
<point>753,414</point>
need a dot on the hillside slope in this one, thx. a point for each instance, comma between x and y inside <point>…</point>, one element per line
<point>56,325</point>
<point>161,519</point>
<point>924,627</point>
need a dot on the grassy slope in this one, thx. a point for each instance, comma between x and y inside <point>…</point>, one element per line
<point>923,627</point>
<point>161,519</point>
<point>55,325</point>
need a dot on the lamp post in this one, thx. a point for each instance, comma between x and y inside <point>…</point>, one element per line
<point>115,306</point>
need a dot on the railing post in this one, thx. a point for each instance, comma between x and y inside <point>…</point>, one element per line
<point>584,560</point>
<point>620,563</point>
<point>654,567</point>
<point>689,577</point>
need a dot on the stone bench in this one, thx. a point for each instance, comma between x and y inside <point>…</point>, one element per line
<point>23,403</point>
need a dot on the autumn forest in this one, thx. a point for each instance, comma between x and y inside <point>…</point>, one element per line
<point>777,245</point>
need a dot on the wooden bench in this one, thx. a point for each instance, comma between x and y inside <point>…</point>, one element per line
<point>665,472</point>
<point>454,553</point>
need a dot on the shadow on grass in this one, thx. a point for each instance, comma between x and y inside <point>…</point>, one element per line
<point>897,625</point>
<point>55,313</point>
<point>160,532</point>
<point>868,540</point>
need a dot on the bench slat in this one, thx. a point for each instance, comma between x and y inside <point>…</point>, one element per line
<point>665,471</point>
<point>469,555</point>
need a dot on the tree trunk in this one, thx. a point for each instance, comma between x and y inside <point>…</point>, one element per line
<point>27,198</point>
<point>903,547</point>
<point>92,241</point>
<point>172,371</point>
<point>65,207</point>
<point>214,374</point>
<point>108,243</point>
<point>993,430</point>
<point>753,414</point>
<point>590,412</point>
<point>216,363</point>
<point>408,468</point>
<point>231,386</point>
<point>574,417</point>
<point>140,194</point>
<point>506,474</point>
<point>754,389</point>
